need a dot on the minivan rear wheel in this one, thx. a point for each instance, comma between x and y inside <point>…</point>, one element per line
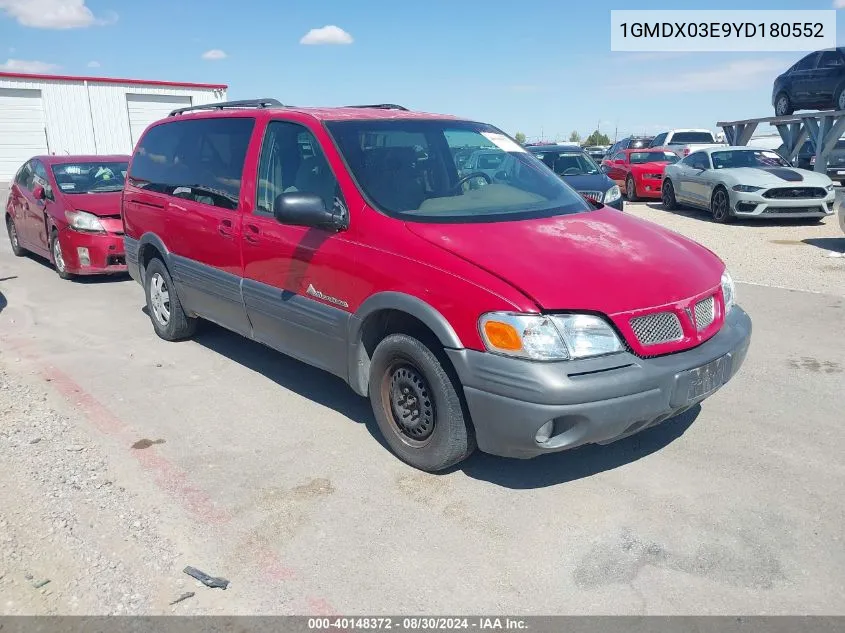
<point>168,318</point>
<point>417,405</point>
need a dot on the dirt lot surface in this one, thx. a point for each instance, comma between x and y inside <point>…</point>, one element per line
<point>125,458</point>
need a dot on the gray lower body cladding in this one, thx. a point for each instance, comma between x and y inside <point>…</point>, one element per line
<point>588,401</point>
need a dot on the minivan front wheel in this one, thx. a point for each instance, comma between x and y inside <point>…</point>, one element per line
<point>417,405</point>
<point>168,318</point>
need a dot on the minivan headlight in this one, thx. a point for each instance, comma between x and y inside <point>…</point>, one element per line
<point>84,221</point>
<point>612,195</point>
<point>548,337</point>
<point>728,291</point>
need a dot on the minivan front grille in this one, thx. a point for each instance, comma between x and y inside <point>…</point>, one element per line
<point>705,313</point>
<point>793,193</point>
<point>660,327</point>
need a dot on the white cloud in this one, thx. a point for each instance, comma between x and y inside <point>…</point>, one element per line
<point>736,75</point>
<point>93,64</point>
<point>52,14</point>
<point>329,34</point>
<point>27,66</point>
<point>839,4</point>
<point>214,54</point>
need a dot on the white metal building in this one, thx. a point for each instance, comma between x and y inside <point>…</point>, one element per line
<point>53,114</point>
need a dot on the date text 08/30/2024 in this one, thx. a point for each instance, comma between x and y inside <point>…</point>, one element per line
<point>416,623</point>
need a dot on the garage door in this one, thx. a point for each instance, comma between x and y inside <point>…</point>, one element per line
<point>146,109</point>
<point>22,133</point>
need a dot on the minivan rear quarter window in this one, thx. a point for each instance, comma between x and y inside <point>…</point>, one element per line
<point>408,169</point>
<point>196,159</point>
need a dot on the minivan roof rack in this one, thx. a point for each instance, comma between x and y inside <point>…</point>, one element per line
<point>380,106</point>
<point>221,105</point>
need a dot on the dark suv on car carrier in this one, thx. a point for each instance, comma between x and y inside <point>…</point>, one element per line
<point>494,308</point>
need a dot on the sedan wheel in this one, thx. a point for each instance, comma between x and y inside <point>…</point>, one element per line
<point>58,257</point>
<point>721,206</point>
<point>17,249</point>
<point>840,101</point>
<point>631,189</point>
<point>668,196</point>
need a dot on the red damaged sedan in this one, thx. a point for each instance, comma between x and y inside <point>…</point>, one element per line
<point>67,208</point>
<point>639,172</point>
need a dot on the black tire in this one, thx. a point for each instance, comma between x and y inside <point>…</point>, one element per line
<point>783,105</point>
<point>720,206</point>
<point>177,325</point>
<point>667,196</point>
<point>417,405</point>
<point>17,249</point>
<point>57,257</point>
<point>839,99</point>
<point>631,189</point>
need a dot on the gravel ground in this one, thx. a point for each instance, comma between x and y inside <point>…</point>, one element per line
<point>789,254</point>
<point>69,529</point>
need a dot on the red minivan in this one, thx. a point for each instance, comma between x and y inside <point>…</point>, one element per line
<point>500,310</point>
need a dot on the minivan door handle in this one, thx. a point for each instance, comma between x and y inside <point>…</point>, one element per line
<point>252,234</point>
<point>225,228</point>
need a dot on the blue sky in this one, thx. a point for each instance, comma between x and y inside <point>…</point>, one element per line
<point>539,66</point>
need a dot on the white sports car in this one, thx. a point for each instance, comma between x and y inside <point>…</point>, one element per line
<point>747,182</point>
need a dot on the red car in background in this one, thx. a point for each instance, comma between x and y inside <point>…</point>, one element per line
<point>639,172</point>
<point>67,208</point>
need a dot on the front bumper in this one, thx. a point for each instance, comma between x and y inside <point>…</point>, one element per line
<point>649,188</point>
<point>590,401</point>
<point>105,254</point>
<point>754,205</point>
<point>616,204</point>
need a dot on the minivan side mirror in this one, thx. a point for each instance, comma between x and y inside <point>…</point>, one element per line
<point>306,209</point>
<point>39,193</point>
<point>605,168</point>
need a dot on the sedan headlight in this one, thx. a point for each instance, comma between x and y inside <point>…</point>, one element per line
<point>830,187</point>
<point>84,221</point>
<point>548,337</point>
<point>612,195</point>
<point>746,188</point>
<point>728,291</point>
<point>653,176</point>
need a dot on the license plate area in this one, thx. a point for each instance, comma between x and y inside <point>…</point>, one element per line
<point>698,383</point>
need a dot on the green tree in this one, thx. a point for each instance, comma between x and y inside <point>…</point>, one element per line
<point>519,137</point>
<point>597,138</point>
<point>574,137</point>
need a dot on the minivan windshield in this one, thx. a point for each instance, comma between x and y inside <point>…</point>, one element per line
<point>90,177</point>
<point>747,158</point>
<point>411,168</point>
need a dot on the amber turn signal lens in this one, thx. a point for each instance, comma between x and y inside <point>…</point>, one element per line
<point>503,336</point>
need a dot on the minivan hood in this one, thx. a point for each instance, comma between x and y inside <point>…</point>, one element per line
<point>602,260</point>
<point>100,204</point>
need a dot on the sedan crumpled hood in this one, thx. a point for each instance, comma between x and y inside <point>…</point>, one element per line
<point>101,204</point>
<point>602,260</point>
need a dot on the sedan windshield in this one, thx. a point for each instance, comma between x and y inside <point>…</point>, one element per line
<point>638,158</point>
<point>410,168</point>
<point>90,177</point>
<point>747,158</point>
